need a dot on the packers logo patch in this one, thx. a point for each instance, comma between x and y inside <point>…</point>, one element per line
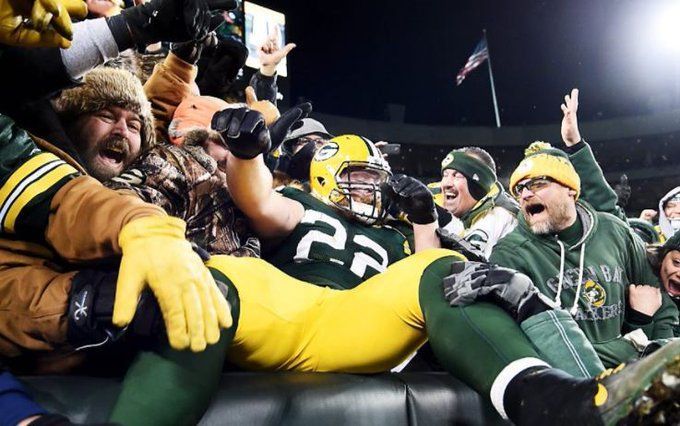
<point>447,160</point>
<point>326,151</point>
<point>594,293</point>
<point>478,238</point>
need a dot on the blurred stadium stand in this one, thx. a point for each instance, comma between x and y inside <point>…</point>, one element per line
<point>645,148</point>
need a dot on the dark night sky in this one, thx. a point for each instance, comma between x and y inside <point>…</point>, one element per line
<point>353,58</point>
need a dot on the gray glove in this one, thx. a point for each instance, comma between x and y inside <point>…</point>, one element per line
<point>509,289</point>
<point>462,286</point>
<point>453,242</point>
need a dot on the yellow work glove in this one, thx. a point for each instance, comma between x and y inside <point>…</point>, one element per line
<point>39,23</point>
<point>156,254</point>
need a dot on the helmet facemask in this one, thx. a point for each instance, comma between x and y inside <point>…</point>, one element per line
<point>358,191</point>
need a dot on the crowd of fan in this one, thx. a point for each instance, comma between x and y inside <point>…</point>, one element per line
<point>136,207</point>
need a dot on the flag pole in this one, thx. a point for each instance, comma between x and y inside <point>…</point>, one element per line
<point>493,86</point>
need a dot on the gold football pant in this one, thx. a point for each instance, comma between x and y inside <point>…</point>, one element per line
<point>288,324</point>
<point>281,323</point>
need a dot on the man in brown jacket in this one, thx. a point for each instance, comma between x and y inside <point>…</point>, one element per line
<point>50,305</point>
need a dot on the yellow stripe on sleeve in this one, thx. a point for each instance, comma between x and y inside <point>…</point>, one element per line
<point>24,171</point>
<point>34,189</point>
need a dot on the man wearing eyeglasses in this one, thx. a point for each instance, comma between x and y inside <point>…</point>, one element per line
<point>583,260</point>
<point>297,150</point>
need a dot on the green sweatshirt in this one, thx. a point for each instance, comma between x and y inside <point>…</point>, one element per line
<point>613,259</point>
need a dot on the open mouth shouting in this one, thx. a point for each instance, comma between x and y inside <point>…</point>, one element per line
<point>537,217</point>
<point>533,210</point>
<point>673,286</point>
<point>450,195</point>
<point>108,158</point>
<point>114,155</point>
<point>114,152</point>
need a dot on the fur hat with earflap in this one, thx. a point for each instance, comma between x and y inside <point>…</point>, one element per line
<point>104,87</point>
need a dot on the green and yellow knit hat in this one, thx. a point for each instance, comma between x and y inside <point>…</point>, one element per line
<point>541,159</point>
<point>480,177</point>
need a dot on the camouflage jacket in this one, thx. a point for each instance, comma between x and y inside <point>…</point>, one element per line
<point>187,183</point>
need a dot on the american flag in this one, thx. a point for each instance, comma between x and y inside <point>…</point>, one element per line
<point>480,54</point>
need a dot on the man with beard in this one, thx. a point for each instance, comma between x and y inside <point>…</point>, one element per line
<point>107,124</point>
<point>583,260</point>
<point>109,121</point>
<point>55,305</point>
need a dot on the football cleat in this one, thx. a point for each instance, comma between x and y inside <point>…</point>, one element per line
<point>643,392</point>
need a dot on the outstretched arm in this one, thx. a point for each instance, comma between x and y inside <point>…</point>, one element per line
<point>270,213</point>
<point>249,180</point>
<point>594,187</point>
<point>270,55</point>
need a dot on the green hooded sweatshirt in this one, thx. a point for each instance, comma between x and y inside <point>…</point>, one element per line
<point>601,249</point>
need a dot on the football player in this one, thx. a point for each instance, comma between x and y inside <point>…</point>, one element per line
<point>335,238</point>
<point>282,323</point>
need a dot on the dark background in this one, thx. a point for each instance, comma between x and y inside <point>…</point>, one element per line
<point>355,58</point>
<point>363,59</point>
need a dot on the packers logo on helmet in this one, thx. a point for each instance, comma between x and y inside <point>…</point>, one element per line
<point>347,173</point>
<point>326,151</point>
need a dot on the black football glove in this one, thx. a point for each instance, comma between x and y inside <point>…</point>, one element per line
<point>170,20</point>
<point>190,51</point>
<point>413,198</point>
<point>243,130</point>
<point>281,127</point>
<point>90,311</point>
<point>219,65</point>
<point>509,289</point>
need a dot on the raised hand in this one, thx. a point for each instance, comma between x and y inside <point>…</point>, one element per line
<point>39,23</point>
<point>270,55</point>
<point>243,130</point>
<point>172,20</point>
<point>280,129</point>
<point>570,133</point>
<point>648,215</point>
